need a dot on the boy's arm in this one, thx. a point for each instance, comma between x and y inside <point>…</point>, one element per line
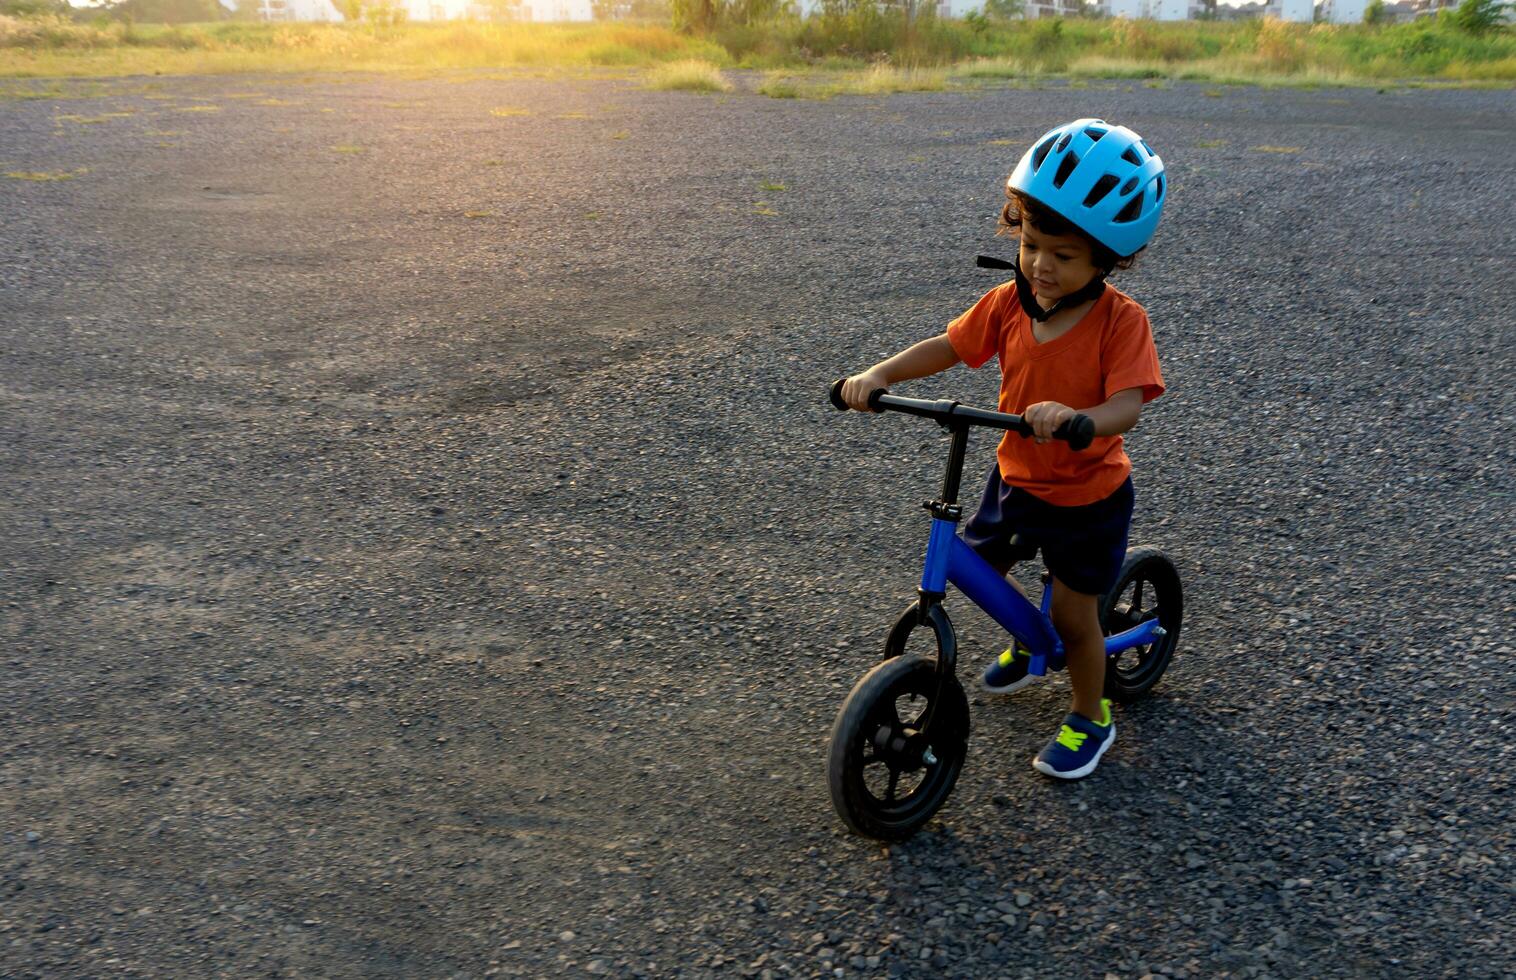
<point>929,357</point>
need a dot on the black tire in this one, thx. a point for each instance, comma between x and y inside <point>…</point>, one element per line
<point>857,762</point>
<point>1149,581</point>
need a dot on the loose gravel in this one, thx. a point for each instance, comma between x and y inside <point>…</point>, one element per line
<point>391,591</point>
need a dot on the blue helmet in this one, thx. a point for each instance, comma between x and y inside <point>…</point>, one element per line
<point>1102,178</point>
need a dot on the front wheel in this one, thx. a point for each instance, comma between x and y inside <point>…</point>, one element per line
<point>887,777</point>
<point>1147,587</point>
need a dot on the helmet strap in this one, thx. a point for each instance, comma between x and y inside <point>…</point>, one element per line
<point>1092,290</point>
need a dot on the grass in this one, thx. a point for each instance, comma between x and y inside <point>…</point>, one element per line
<point>44,175</point>
<point>56,47</point>
<point>771,187</point>
<point>690,75</point>
<point>926,54</point>
<point>348,148</point>
<point>507,111</point>
<point>876,80</point>
<point>1278,149</point>
<point>780,86</point>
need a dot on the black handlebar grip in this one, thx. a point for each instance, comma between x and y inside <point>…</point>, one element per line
<point>1078,431</point>
<point>842,406</point>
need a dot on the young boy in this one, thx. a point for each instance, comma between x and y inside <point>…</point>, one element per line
<point>1083,201</point>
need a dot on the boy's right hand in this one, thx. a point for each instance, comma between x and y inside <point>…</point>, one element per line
<point>856,390</point>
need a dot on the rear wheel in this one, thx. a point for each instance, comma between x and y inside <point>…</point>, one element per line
<point>887,777</point>
<point>1148,587</point>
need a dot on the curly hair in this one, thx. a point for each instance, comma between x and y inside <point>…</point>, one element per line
<point>1019,208</point>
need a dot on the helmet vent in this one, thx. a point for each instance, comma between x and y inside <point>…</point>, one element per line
<point>1100,190</point>
<point>1064,169</point>
<point>1130,156</point>
<point>1131,211</point>
<point>1040,154</point>
<point>1063,144</point>
<point>1095,133</point>
<point>1130,185</point>
<point>1160,187</point>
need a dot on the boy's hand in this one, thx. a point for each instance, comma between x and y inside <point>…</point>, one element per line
<point>856,390</point>
<point>1046,417</point>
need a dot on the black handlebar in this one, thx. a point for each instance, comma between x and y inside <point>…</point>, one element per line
<point>1077,431</point>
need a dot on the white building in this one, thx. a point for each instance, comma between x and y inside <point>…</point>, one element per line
<point>297,10</point>
<point>1344,11</point>
<point>543,10</point>
<point>1149,9</point>
<point>1299,11</point>
<point>427,10</point>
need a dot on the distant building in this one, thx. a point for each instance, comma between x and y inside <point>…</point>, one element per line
<point>307,10</point>
<point>1298,11</point>
<point>1343,11</point>
<point>430,10</point>
<point>1037,9</point>
<point>1149,9</point>
<point>550,10</point>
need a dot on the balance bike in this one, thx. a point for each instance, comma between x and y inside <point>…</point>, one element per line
<point>900,738</point>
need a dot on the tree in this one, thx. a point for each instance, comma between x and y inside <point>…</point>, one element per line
<point>693,16</point>
<point>1003,9</point>
<point>34,8</point>
<point>170,11</point>
<point>351,10</point>
<point>1376,13</point>
<point>509,10</point>
<point>384,13</point>
<point>1479,16</point>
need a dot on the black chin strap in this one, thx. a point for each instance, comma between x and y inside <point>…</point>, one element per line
<point>1092,290</point>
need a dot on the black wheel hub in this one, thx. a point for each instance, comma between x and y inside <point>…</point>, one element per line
<point>901,749</point>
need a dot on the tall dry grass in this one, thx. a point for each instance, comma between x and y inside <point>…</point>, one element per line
<point>1432,49</point>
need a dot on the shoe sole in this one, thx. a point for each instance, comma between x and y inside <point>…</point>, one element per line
<point>1083,770</point>
<point>1007,688</point>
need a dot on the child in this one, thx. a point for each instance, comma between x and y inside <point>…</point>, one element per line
<point>1083,200</point>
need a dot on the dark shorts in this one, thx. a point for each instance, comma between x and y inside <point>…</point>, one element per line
<point>1082,546</point>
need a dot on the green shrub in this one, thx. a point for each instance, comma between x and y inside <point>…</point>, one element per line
<point>690,76</point>
<point>1479,16</point>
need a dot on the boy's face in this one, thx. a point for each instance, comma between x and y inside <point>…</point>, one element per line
<point>1056,265</point>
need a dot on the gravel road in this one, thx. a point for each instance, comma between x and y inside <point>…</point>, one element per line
<point>428,551</point>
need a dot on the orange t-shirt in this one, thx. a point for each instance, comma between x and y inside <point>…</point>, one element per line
<point>1109,350</point>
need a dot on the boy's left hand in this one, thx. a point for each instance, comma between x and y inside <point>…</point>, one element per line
<point>1046,417</point>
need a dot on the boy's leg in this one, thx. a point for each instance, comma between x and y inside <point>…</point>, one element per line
<point>1004,566</point>
<point>1077,618</point>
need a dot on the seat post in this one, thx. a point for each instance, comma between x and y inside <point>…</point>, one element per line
<point>954,475</point>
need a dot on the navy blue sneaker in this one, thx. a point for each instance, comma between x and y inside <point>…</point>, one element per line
<point>1076,750</point>
<point>1007,672</point>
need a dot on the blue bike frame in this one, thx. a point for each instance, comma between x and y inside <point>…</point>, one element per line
<point>948,559</point>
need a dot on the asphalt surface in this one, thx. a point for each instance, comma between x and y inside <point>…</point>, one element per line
<point>394,592</point>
